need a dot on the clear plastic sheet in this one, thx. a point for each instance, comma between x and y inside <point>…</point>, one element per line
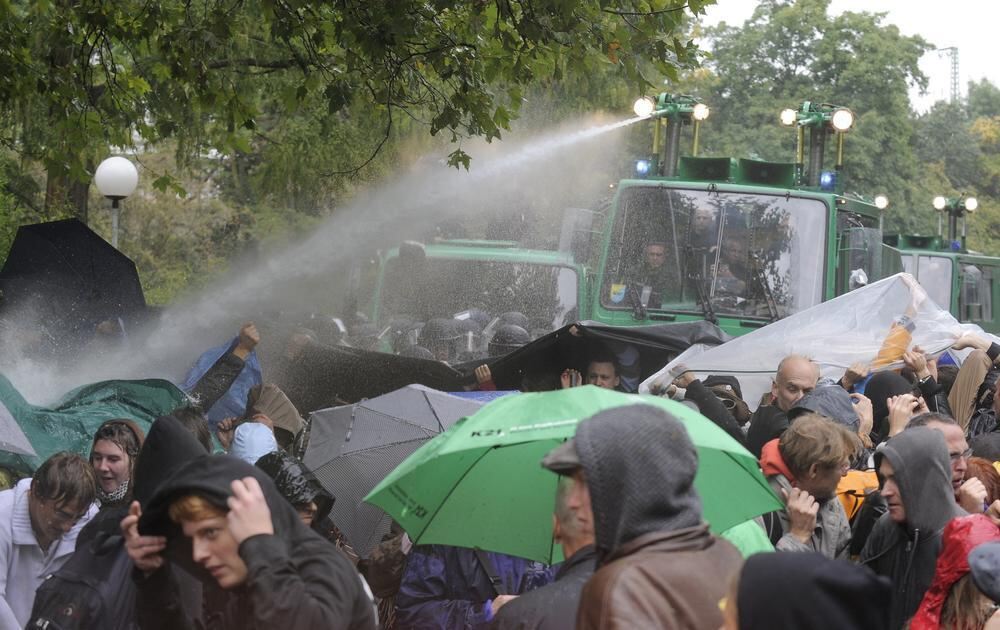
<point>834,334</point>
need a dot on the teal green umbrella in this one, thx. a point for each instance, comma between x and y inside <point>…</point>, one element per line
<point>480,483</point>
<point>70,424</point>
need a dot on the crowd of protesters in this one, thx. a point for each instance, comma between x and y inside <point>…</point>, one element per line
<point>889,480</point>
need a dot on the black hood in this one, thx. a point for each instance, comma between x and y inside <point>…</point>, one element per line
<point>813,592</point>
<point>333,585</point>
<point>210,476</point>
<point>922,467</point>
<point>168,446</point>
<point>725,380</point>
<point>296,482</point>
<point>880,387</point>
<point>640,466</point>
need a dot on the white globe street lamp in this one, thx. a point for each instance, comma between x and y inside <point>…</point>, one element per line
<point>116,179</point>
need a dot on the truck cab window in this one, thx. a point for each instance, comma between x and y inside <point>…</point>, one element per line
<point>747,254</point>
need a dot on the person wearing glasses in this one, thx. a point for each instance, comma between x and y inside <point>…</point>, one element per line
<point>40,519</point>
<point>970,493</point>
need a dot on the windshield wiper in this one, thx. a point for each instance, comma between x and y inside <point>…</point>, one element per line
<point>638,308</point>
<point>765,287</point>
<point>695,276</point>
<point>703,300</point>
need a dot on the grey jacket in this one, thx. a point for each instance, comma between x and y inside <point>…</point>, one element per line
<point>832,536</point>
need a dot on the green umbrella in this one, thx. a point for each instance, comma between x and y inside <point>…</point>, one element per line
<point>480,483</point>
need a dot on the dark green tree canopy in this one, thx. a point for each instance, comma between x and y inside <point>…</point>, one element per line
<point>76,78</point>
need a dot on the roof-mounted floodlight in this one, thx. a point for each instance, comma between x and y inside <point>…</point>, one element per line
<point>643,107</point>
<point>842,119</point>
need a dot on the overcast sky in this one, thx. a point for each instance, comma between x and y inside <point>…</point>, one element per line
<point>971,25</point>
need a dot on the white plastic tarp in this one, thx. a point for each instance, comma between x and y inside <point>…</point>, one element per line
<point>834,334</point>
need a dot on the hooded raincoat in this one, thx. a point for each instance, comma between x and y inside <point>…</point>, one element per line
<point>658,565</point>
<point>960,537</point>
<point>906,553</point>
<point>296,482</point>
<point>295,579</point>
<point>299,486</point>
<point>269,400</point>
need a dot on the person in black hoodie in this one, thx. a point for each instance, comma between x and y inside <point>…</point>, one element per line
<point>915,476</point>
<point>882,387</point>
<point>266,569</point>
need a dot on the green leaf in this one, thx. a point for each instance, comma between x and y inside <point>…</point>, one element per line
<point>459,158</point>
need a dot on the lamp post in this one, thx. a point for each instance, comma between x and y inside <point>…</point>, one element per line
<point>116,179</point>
<point>674,110</point>
<point>955,207</point>
<point>822,119</point>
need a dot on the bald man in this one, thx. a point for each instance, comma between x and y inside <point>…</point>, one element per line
<point>796,377</point>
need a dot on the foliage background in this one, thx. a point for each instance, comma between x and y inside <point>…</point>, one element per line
<point>255,123</point>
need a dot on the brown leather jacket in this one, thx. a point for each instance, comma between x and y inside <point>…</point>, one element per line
<point>670,579</point>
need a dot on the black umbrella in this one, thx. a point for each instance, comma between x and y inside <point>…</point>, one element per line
<point>320,375</point>
<point>545,358</point>
<point>71,279</point>
<point>352,448</point>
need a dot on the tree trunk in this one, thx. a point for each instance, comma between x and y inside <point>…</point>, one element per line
<point>64,195</point>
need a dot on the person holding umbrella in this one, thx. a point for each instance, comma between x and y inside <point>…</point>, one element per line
<point>479,485</point>
<point>633,469</point>
<point>553,607</point>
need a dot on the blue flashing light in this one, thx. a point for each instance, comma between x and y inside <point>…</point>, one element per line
<point>642,167</point>
<point>827,180</point>
<point>956,246</point>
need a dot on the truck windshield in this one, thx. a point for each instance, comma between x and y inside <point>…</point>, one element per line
<point>437,287</point>
<point>739,254</point>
